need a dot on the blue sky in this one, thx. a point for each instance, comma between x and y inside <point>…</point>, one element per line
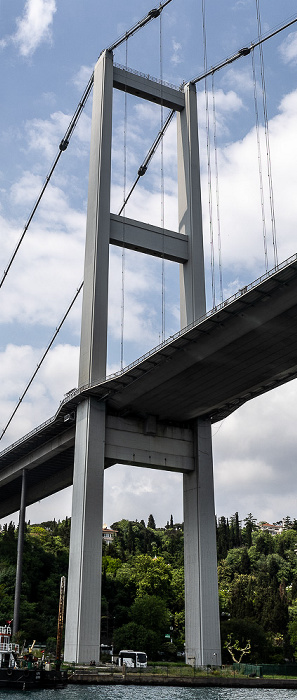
<point>48,51</point>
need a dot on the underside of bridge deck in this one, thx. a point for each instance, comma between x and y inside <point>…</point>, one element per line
<point>241,350</point>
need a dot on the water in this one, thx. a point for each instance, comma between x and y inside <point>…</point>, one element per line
<point>149,693</point>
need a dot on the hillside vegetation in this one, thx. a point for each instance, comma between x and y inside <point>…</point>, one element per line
<point>143,586</point>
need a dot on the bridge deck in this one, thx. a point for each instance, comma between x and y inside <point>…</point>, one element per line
<point>243,349</point>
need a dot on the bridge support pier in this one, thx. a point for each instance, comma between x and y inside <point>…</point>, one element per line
<point>102,439</point>
<point>20,551</point>
<point>82,637</point>
<point>202,622</point>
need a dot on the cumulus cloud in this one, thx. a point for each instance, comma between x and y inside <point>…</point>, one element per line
<point>57,375</point>
<point>34,26</point>
<point>44,135</point>
<point>240,204</point>
<point>240,80</point>
<point>82,77</point>
<point>176,56</point>
<point>42,295</point>
<point>288,49</point>
<point>254,457</point>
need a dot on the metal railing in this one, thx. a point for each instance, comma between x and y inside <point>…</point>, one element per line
<point>149,77</point>
<point>5,646</point>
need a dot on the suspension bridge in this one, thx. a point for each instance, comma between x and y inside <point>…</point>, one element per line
<point>158,411</point>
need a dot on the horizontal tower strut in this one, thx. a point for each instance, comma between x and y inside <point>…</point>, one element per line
<point>148,89</point>
<point>141,441</point>
<point>145,238</point>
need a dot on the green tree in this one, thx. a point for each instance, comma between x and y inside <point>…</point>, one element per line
<point>151,612</point>
<point>250,526</point>
<point>223,537</point>
<point>151,522</point>
<point>137,637</point>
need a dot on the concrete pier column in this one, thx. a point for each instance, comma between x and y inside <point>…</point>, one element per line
<point>93,343</point>
<point>82,637</point>
<point>192,277</point>
<point>202,622</point>
<point>20,552</point>
<point>82,634</point>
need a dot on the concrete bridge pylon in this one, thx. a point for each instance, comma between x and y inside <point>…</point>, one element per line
<point>103,437</point>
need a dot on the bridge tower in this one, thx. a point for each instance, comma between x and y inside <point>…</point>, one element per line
<point>103,439</point>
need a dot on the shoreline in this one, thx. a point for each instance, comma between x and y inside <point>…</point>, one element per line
<point>91,678</point>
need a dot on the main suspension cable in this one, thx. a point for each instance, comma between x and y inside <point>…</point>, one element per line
<point>62,147</point>
<point>243,52</point>
<point>145,163</point>
<point>41,360</point>
<point>152,14</point>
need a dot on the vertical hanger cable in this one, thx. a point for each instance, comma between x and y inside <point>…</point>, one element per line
<point>123,225</point>
<point>162,184</point>
<point>271,196</point>
<point>264,231</point>
<point>217,189</point>
<point>212,260</point>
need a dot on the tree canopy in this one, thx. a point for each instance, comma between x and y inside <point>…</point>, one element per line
<point>143,585</point>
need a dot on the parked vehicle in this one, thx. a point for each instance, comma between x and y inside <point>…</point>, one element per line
<point>132,659</point>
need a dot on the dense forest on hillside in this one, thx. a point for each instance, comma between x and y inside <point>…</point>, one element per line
<point>143,589</point>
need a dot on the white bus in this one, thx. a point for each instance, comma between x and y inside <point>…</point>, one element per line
<point>132,659</point>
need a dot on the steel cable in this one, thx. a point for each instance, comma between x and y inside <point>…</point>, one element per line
<point>152,14</point>
<point>267,139</point>
<point>260,163</point>
<point>41,360</point>
<point>209,175</point>
<point>217,190</point>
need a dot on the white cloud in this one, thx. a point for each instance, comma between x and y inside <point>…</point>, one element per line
<point>34,26</point>
<point>129,492</point>
<point>176,57</point>
<point>288,49</point>
<point>240,206</point>
<point>57,375</point>
<point>134,493</point>
<point>49,264</point>
<point>82,77</point>
<point>44,135</point>
<point>254,457</point>
<point>226,104</point>
<point>240,80</point>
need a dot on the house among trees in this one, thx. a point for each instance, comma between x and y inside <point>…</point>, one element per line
<point>108,534</point>
<point>275,528</point>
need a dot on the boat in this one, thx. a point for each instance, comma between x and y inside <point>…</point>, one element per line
<point>25,674</point>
